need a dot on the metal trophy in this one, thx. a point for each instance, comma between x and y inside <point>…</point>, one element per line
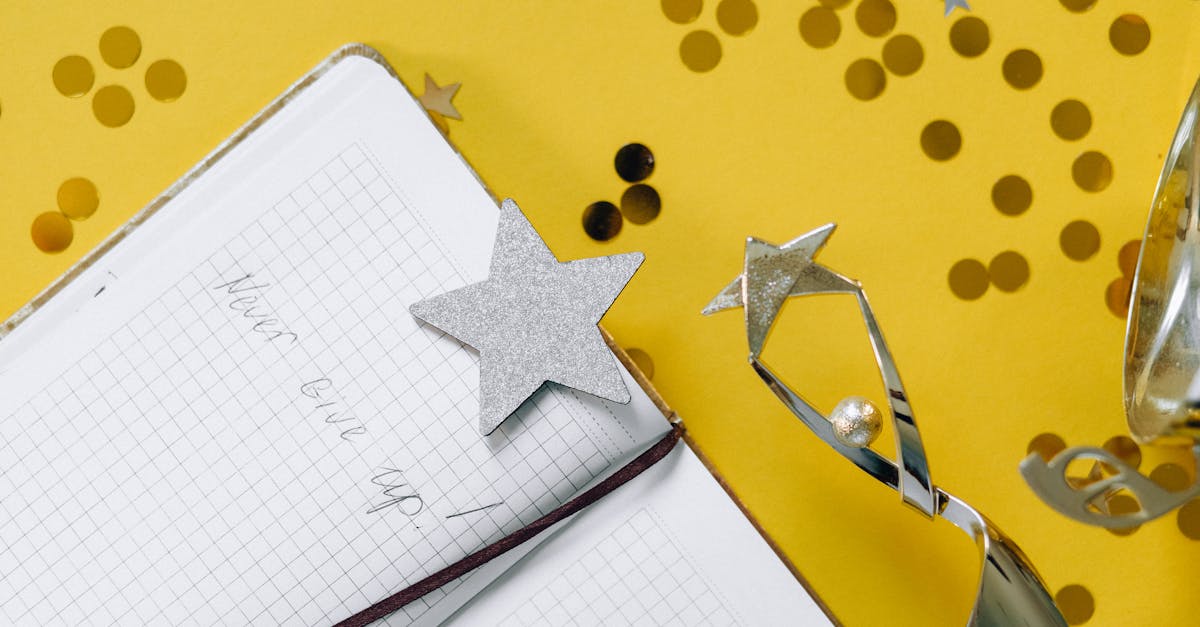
<point>1162,354</point>
<point>1010,591</point>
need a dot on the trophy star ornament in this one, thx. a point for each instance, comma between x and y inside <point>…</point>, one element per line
<point>439,99</point>
<point>956,4</point>
<point>534,320</point>
<point>772,274</point>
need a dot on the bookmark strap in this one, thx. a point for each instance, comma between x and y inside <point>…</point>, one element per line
<point>465,565</point>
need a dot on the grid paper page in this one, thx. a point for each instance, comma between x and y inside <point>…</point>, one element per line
<point>274,439</point>
<point>635,576</point>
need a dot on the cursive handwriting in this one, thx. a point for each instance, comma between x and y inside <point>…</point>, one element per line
<point>397,492</point>
<point>334,411</point>
<point>245,295</point>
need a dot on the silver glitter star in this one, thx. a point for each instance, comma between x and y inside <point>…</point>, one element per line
<point>772,274</point>
<point>534,320</point>
<point>956,4</point>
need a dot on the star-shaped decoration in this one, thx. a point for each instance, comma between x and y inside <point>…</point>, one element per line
<point>772,274</point>
<point>534,320</point>
<point>438,99</point>
<point>956,4</point>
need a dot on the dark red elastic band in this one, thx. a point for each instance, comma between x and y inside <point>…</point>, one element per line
<point>465,565</point>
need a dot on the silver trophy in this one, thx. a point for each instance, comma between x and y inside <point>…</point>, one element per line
<point>1010,591</point>
<point>1162,354</point>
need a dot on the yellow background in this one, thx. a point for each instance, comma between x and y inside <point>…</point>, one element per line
<point>769,143</point>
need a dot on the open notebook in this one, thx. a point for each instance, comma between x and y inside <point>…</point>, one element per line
<point>226,414</point>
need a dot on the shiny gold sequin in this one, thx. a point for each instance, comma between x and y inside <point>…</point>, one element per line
<point>640,203</point>
<point>737,17</point>
<point>969,279</point>
<point>642,360</point>
<point>820,27</point>
<point>73,76</point>
<point>1092,171</point>
<point>875,18</point>
<point>165,80</point>
<point>1079,240</point>
<point>1188,519</point>
<point>52,232</point>
<point>865,79</point>
<point>602,221</point>
<point>1075,603</point>
<point>941,140</point>
<point>1129,34</point>
<point>634,162</point>
<point>112,105</point>
<point>1171,477</point>
<point>1009,271</point>
<point>682,11</point>
<point>1071,120</point>
<point>1012,195</point>
<point>1046,445</point>
<point>120,47</point>
<point>1078,6</point>
<point>78,198</point>
<point>700,51</point>
<point>1117,294</point>
<point>1022,68</point>
<point>903,55</point>
<point>970,37</point>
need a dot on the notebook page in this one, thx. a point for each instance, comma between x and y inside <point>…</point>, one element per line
<point>193,464</point>
<point>668,548</point>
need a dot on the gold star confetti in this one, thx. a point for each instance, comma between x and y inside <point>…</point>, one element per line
<point>438,99</point>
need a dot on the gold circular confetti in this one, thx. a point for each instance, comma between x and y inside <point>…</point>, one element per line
<point>737,17</point>
<point>165,80</point>
<point>73,76</point>
<point>903,55</point>
<point>640,203</point>
<point>1092,171</point>
<point>602,221</point>
<point>1189,519</point>
<point>1125,449</point>
<point>52,232</point>
<point>1171,477</point>
<point>1046,445</point>
<point>969,279</point>
<point>78,198</point>
<point>120,47</point>
<point>1120,505</point>
<point>112,105</point>
<point>682,11</point>
<point>1129,34</point>
<point>1127,257</point>
<point>875,18</point>
<point>1075,603</point>
<point>820,27</point>
<point>969,36</point>
<point>1117,295</point>
<point>1079,240</point>
<point>1022,68</point>
<point>1009,271</point>
<point>642,360</point>
<point>865,79</point>
<point>834,4</point>
<point>1071,120</point>
<point>700,51</point>
<point>1012,195</point>
<point>1078,6</point>
<point>941,140</point>
<point>634,162</point>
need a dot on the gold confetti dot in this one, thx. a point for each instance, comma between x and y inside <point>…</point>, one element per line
<point>1075,603</point>
<point>1127,257</point>
<point>165,80</point>
<point>1121,505</point>
<point>700,51</point>
<point>1012,195</point>
<point>73,76</point>
<point>875,18</point>
<point>642,360</point>
<point>1079,240</point>
<point>903,55</point>
<point>969,37</point>
<point>1092,171</point>
<point>1189,519</point>
<point>1009,271</point>
<point>1125,449</point>
<point>1078,6</point>
<point>820,27</point>
<point>834,4</point>
<point>968,279</point>
<point>52,232</point>
<point>737,17</point>
<point>640,203</point>
<point>120,47</point>
<point>1071,120</point>
<point>78,198</point>
<point>1046,445</point>
<point>682,11</point>
<point>1171,477</point>
<point>865,79</point>
<point>1117,295</point>
<point>1022,68</point>
<point>634,162</point>
<point>112,105</point>
<point>602,221</point>
<point>1129,34</point>
<point>941,140</point>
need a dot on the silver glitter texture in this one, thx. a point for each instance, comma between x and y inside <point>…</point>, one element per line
<point>772,274</point>
<point>534,320</point>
